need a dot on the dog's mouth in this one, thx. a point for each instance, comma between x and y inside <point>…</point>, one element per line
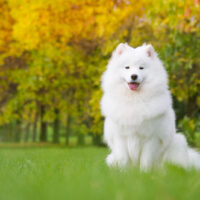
<point>133,85</point>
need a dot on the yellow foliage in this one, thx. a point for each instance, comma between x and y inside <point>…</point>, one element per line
<point>60,21</point>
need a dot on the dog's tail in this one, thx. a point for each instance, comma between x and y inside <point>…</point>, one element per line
<point>194,158</point>
<point>180,154</point>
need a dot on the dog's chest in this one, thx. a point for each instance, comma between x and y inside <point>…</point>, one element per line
<point>143,130</point>
<point>125,112</point>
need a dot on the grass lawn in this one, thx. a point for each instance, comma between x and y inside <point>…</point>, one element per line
<point>80,173</point>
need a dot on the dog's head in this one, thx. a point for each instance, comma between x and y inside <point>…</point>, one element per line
<point>136,68</point>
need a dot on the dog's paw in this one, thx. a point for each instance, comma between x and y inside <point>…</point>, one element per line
<point>113,161</point>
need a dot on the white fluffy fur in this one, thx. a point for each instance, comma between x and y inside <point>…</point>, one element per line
<point>139,125</point>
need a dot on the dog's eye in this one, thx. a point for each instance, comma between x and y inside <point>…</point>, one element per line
<point>127,67</point>
<point>141,68</point>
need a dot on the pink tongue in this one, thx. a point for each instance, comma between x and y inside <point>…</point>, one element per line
<point>133,86</point>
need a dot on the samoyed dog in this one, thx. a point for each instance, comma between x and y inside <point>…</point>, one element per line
<point>139,123</point>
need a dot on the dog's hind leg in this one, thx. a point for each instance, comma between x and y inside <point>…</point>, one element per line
<point>180,154</point>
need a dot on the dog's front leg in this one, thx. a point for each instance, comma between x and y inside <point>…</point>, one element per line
<point>117,144</point>
<point>134,147</point>
<point>118,156</point>
<point>150,154</point>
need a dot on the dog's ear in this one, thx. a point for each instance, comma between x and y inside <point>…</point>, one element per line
<point>120,49</point>
<point>150,51</point>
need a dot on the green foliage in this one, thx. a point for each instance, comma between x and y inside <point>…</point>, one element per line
<point>191,129</point>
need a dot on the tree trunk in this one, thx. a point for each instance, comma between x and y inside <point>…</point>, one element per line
<point>35,129</point>
<point>43,125</point>
<point>5,133</point>
<point>81,139</point>
<point>56,127</point>
<point>27,132</point>
<point>68,130</point>
<point>11,132</point>
<point>96,139</point>
<point>1,133</point>
<point>18,131</point>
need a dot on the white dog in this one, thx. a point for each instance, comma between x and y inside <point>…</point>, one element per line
<point>139,123</point>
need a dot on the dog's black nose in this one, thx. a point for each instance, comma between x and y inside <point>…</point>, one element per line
<point>134,77</point>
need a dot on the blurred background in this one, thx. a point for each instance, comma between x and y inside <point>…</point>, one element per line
<point>53,53</point>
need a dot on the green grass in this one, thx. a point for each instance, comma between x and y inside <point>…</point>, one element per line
<point>81,173</point>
